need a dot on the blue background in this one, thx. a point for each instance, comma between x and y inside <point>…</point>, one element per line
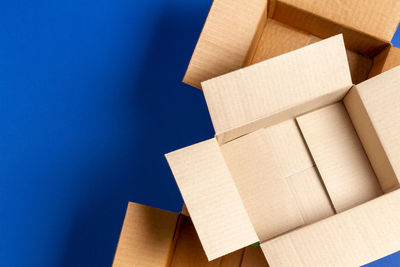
<point>91,98</point>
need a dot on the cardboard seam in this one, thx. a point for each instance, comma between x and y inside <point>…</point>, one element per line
<point>220,137</point>
<point>299,171</point>
<point>316,168</point>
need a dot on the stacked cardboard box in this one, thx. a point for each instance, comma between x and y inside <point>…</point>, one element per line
<point>302,160</point>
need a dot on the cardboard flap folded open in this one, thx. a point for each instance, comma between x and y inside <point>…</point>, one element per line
<point>146,238</point>
<point>239,100</point>
<point>352,238</point>
<point>226,38</point>
<point>210,194</point>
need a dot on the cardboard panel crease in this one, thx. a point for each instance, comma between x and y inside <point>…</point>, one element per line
<point>374,108</point>
<point>261,184</point>
<point>262,90</point>
<point>211,196</point>
<point>352,238</point>
<point>377,18</point>
<point>339,156</point>
<point>239,33</point>
<point>311,197</point>
<point>323,27</point>
<point>291,153</point>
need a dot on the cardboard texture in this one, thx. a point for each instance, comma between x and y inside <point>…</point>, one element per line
<point>146,237</point>
<point>224,227</point>
<point>239,33</point>
<point>353,238</point>
<point>375,118</point>
<point>334,143</point>
<point>299,164</point>
<point>269,96</point>
<point>142,242</point>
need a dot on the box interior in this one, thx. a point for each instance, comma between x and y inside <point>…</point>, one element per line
<point>240,33</point>
<point>320,163</point>
<point>288,28</point>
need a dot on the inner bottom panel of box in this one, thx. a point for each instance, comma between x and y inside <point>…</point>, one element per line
<point>301,171</point>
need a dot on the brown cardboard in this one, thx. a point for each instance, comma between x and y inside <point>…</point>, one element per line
<point>270,95</point>
<point>225,39</point>
<point>290,160</point>
<point>146,237</point>
<point>142,242</point>
<point>334,143</point>
<point>352,238</point>
<point>222,228</point>
<point>373,106</point>
<point>239,33</point>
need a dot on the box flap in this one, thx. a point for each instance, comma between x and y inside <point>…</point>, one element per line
<point>339,156</point>
<point>378,18</point>
<point>211,196</point>
<point>189,252</point>
<point>239,102</point>
<point>375,111</point>
<point>146,237</point>
<point>226,39</point>
<point>352,238</point>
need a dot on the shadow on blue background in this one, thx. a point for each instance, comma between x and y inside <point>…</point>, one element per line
<point>91,98</point>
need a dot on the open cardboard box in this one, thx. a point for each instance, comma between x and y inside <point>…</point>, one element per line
<point>152,237</point>
<point>302,161</point>
<point>238,33</point>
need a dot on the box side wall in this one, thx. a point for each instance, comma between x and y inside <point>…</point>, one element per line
<point>374,109</point>
<point>324,28</point>
<point>377,18</point>
<point>386,60</point>
<point>225,40</point>
<point>251,94</point>
<point>353,238</point>
<point>146,237</point>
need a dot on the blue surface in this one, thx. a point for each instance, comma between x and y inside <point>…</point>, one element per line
<point>91,98</point>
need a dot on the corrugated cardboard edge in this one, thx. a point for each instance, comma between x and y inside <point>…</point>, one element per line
<point>147,237</point>
<point>225,40</point>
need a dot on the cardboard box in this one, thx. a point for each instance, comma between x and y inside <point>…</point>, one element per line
<point>152,238</point>
<point>302,161</point>
<point>238,33</point>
